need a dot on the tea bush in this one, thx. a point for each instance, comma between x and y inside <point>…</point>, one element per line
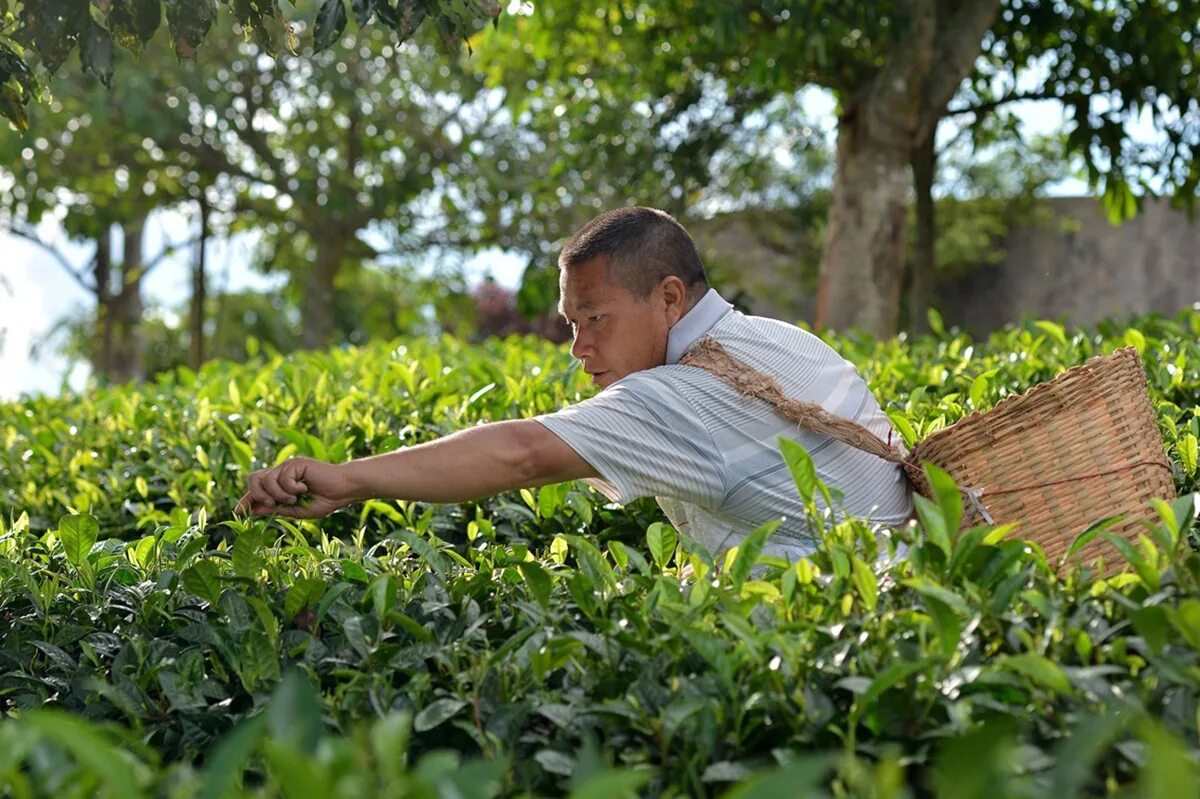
<point>546,642</point>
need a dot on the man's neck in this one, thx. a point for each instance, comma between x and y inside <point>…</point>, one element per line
<point>698,320</point>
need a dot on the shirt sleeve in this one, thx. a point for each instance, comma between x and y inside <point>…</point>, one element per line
<point>645,440</point>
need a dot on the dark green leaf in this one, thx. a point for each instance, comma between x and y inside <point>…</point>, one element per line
<point>96,52</point>
<point>331,21</point>
<point>223,769</point>
<point>189,22</point>
<point>363,9</point>
<point>133,22</point>
<point>437,713</point>
<point>203,579</point>
<point>1152,624</point>
<point>1094,531</point>
<point>539,582</point>
<point>294,713</point>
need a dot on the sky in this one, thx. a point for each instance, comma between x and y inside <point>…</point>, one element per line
<point>36,292</point>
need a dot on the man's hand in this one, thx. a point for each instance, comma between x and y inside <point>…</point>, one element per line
<point>279,490</point>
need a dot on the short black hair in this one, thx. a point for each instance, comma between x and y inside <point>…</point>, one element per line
<point>643,245</point>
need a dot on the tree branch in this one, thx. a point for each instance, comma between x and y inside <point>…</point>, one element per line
<point>255,139</point>
<point>956,46</point>
<point>61,259</point>
<point>167,251</point>
<point>988,106</point>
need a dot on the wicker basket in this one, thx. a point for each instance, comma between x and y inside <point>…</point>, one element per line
<point>1056,459</point>
<point>1060,457</point>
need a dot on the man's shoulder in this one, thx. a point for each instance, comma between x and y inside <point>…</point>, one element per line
<point>770,343</point>
<point>744,326</point>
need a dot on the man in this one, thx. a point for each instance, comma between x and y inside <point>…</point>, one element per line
<point>636,295</point>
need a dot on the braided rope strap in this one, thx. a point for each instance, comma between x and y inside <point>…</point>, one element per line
<point>710,356</point>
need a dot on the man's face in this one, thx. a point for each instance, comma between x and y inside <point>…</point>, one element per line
<point>616,334</point>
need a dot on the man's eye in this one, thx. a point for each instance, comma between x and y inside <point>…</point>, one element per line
<point>596,318</point>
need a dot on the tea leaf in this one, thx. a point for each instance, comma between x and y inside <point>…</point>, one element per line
<point>748,551</point>
<point>294,713</point>
<point>99,756</point>
<point>437,713</point>
<point>1042,671</point>
<point>539,582</point>
<point>661,540</point>
<point>864,581</point>
<point>1094,531</point>
<point>78,534</point>
<point>1170,771</point>
<point>1055,331</point>
<point>223,770</point>
<point>611,784</point>
<point>247,562</point>
<point>430,556</point>
<point>949,499</point>
<point>801,466</point>
<point>203,579</point>
<point>1189,454</point>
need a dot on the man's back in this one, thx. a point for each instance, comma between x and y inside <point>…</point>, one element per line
<point>711,456</point>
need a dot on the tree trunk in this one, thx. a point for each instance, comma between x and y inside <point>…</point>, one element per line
<point>102,271</point>
<point>199,293</point>
<point>128,346</point>
<point>863,259</point>
<point>924,275</point>
<point>318,305</point>
<point>885,119</point>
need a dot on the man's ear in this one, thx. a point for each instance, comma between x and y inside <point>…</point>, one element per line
<point>674,298</point>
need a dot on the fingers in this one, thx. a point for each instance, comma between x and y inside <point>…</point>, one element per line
<point>274,490</point>
<point>290,479</point>
<point>270,484</point>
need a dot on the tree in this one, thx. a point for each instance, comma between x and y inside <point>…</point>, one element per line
<point>895,68</point>
<point>92,162</point>
<point>334,161</point>
<point>49,31</point>
<point>338,160</point>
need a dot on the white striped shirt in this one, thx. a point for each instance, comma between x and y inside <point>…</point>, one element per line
<point>711,456</point>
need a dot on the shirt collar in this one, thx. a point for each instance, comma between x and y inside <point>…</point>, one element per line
<point>695,323</point>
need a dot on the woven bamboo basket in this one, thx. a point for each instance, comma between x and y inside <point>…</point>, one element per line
<point>1056,459</point>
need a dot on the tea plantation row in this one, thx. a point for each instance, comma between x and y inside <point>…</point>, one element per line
<point>548,643</point>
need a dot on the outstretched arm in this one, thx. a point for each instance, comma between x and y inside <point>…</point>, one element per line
<point>470,464</point>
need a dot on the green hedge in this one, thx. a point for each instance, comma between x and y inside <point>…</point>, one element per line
<point>545,642</point>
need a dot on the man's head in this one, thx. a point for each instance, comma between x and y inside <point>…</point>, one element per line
<point>625,279</point>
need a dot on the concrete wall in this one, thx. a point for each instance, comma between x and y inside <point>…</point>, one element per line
<point>1078,267</point>
<point>1091,271</point>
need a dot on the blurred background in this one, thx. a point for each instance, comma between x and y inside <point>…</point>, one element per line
<point>193,189</point>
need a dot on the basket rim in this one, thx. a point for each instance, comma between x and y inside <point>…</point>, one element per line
<point>976,418</point>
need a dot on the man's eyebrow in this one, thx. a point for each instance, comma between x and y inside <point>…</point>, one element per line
<point>586,305</point>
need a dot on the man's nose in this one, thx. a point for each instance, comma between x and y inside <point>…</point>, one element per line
<point>581,347</point>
